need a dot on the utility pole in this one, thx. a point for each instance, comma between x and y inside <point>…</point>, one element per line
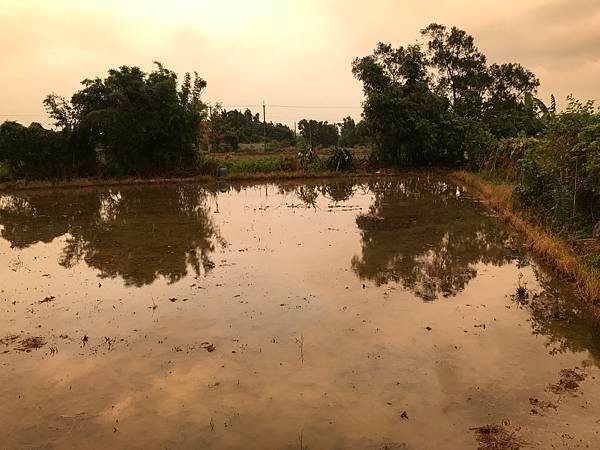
<point>210,131</point>
<point>264,128</point>
<point>294,129</point>
<point>310,134</point>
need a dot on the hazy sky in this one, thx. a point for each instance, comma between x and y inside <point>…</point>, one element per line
<point>287,53</point>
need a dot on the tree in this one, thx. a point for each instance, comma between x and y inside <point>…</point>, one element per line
<point>32,152</point>
<point>318,134</point>
<point>140,123</point>
<point>510,107</point>
<point>246,128</point>
<point>348,137</point>
<point>404,117</point>
<point>459,66</point>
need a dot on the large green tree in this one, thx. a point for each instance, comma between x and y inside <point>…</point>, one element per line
<point>139,123</point>
<point>405,118</point>
<point>439,103</point>
<point>460,68</point>
<point>142,122</point>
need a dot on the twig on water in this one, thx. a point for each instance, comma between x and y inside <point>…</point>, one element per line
<point>300,343</point>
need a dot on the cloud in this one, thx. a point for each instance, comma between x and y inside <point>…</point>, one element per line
<point>282,52</point>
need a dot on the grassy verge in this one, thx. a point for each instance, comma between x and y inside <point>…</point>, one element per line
<point>554,250</point>
<point>262,164</point>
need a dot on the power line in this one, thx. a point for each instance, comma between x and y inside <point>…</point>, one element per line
<point>225,106</point>
<point>24,114</point>
<point>292,106</point>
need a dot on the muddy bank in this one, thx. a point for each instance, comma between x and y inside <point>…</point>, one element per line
<point>12,186</point>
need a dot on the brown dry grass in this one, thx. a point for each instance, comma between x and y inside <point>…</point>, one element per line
<point>554,250</point>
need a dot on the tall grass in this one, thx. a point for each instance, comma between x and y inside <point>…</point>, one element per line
<point>265,164</point>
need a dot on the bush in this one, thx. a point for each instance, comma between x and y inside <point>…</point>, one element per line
<point>340,159</point>
<point>208,166</point>
<point>502,159</point>
<point>264,164</point>
<point>308,159</point>
<point>33,152</point>
<point>559,177</point>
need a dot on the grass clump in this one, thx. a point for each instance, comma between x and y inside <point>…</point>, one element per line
<point>265,164</point>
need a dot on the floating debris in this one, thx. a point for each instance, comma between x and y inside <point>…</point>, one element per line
<point>541,404</point>
<point>569,381</point>
<point>208,346</point>
<point>31,343</point>
<point>498,437</point>
<point>9,339</point>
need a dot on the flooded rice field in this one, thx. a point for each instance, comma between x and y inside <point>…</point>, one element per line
<point>391,313</point>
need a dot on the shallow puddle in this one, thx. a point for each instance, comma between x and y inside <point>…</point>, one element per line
<point>376,313</point>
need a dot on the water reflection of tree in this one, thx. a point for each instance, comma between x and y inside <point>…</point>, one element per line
<point>567,324</point>
<point>137,234</point>
<point>422,232</point>
<point>308,193</point>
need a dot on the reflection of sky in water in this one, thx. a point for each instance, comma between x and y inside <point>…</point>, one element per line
<point>254,269</point>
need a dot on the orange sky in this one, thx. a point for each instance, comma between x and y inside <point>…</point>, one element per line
<point>287,53</point>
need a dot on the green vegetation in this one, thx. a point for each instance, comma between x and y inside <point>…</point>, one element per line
<point>318,134</point>
<point>559,176</point>
<point>130,123</point>
<point>263,164</point>
<point>341,159</point>
<point>228,129</point>
<point>440,103</point>
<point>548,186</point>
<point>556,173</point>
<point>352,134</point>
<point>32,152</point>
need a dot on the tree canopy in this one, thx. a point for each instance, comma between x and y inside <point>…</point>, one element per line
<point>318,133</point>
<point>439,102</point>
<point>129,123</point>
<point>232,127</point>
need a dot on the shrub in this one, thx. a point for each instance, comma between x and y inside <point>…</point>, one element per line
<point>559,177</point>
<point>33,152</point>
<point>308,159</point>
<point>502,159</point>
<point>341,159</point>
<point>208,166</point>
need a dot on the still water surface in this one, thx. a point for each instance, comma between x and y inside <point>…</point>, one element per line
<point>376,313</point>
